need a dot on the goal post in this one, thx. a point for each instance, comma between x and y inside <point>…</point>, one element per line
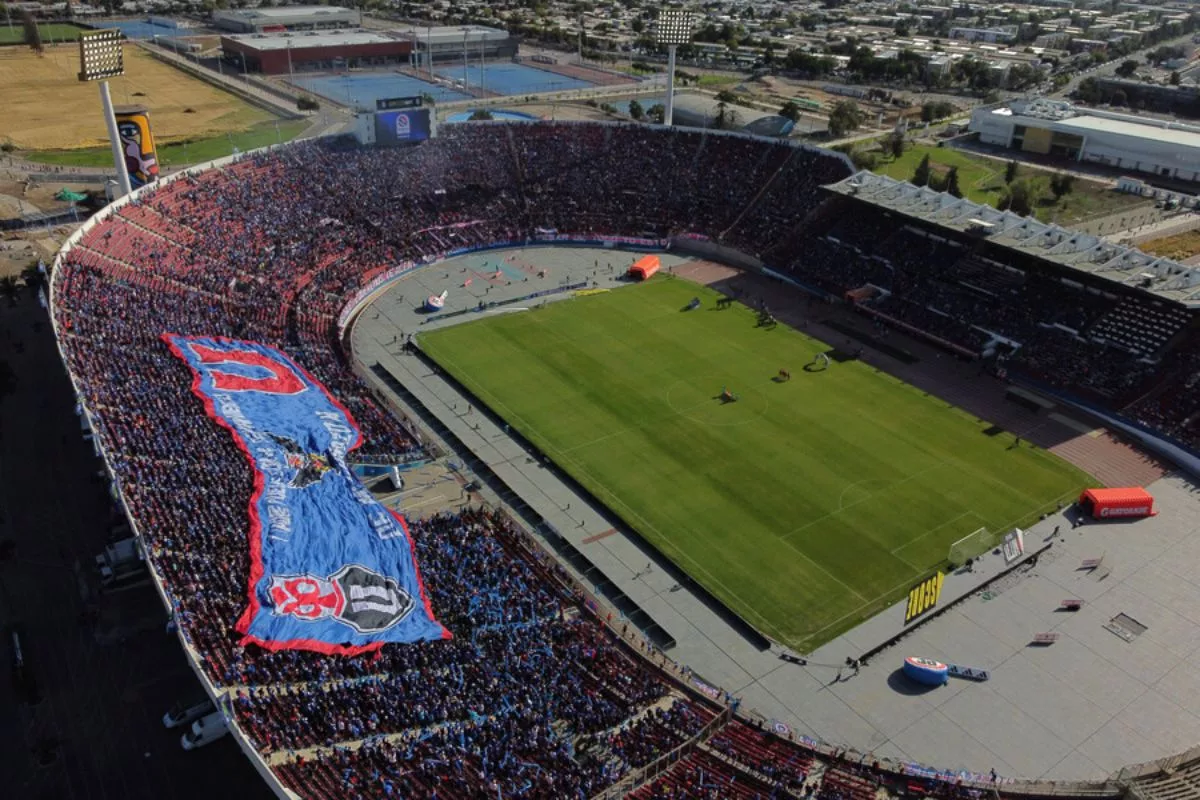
<point>971,545</point>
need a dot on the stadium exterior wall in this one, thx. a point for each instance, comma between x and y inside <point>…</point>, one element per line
<point>1022,788</point>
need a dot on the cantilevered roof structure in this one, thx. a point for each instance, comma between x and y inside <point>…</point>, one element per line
<point>1083,252</point>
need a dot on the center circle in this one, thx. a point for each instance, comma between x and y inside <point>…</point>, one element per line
<point>701,400</point>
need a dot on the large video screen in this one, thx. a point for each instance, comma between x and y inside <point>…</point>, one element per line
<point>399,127</point>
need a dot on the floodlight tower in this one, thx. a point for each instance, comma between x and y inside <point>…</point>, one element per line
<point>674,28</point>
<point>101,58</point>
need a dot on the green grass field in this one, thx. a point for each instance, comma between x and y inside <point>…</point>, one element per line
<point>51,32</point>
<point>806,506</point>
<point>982,181</point>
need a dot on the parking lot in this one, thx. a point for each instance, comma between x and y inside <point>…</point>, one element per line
<point>101,668</point>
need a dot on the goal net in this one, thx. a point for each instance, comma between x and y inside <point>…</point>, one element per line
<point>971,545</point>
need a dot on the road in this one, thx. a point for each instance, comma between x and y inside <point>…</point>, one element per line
<point>1110,67</point>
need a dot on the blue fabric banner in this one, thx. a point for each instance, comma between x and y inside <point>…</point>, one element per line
<point>331,568</point>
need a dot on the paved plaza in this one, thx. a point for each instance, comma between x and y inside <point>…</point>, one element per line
<point>1080,707</point>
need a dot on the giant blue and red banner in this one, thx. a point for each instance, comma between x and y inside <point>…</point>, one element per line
<point>331,568</point>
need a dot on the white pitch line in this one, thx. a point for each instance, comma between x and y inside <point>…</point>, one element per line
<point>931,530</point>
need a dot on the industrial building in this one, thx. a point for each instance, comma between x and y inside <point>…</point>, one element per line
<point>1163,148</point>
<point>287,18</point>
<point>447,43</point>
<point>284,53</point>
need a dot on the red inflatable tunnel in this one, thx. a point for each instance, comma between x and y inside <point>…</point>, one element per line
<point>645,267</point>
<point>1117,503</point>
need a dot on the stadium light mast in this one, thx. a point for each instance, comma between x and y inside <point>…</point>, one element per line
<point>101,57</point>
<point>674,28</point>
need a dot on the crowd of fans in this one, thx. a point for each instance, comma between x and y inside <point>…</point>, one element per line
<point>997,305</point>
<point>532,697</point>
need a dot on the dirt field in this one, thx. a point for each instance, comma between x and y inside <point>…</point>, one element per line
<point>46,106</point>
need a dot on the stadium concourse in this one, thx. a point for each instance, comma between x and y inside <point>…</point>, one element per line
<point>534,696</point>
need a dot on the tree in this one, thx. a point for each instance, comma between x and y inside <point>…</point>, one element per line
<point>32,277</point>
<point>726,96</point>
<point>1010,171</point>
<point>1018,198</point>
<point>33,34</point>
<point>922,172</point>
<point>637,25</point>
<point>845,117</point>
<point>656,113</point>
<point>1127,68</point>
<point>635,110</point>
<point>306,103</point>
<point>480,115</point>
<point>1061,184</point>
<point>894,144</point>
<point>790,110</point>
<point>952,187</point>
<point>9,289</point>
<point>727,118</point>
<point>1175,78</point>
<point>1119,98</point>
<point>864,159</point>
<point>932,112</point>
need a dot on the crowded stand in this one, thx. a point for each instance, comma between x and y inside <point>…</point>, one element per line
<point>1018,315</point>
<point>532,696</point>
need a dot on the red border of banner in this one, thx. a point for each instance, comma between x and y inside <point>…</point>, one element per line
<point>255,533</point>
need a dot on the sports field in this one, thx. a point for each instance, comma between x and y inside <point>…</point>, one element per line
<point>46,107</point>
<point>806,505</point>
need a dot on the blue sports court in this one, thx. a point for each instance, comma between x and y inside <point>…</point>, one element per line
<point>507,79</point>
<point>365,89</point>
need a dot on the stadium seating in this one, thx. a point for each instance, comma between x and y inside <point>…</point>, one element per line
<point>533,697</point>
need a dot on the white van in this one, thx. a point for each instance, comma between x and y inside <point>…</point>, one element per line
<point>185,714</point>
<point>205,730</point>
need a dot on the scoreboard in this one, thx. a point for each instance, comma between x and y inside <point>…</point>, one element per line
<point>402,127</point>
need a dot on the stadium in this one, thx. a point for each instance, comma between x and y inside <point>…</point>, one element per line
<point>789,422</point>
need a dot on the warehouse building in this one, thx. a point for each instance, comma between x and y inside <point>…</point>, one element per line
<point>284,53</point>
<point>447,43</point>
<point>1163,148</point>
<point>288,18</point>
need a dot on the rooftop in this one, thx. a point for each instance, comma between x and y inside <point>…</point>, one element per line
<point>1170,133</point>
<point>1083,252</point>
<point>287,12</point>
<point>441,34</point>
<point>281,41</point>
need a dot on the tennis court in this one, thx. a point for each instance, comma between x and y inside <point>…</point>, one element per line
<point>142,29</point>
<point>364,90</point>
<point>509,79</point>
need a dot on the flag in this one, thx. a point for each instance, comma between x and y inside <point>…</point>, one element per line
<point>331,569</point>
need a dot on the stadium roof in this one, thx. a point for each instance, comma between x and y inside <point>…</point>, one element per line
<point>298,41</point>
<point>1084,252</point>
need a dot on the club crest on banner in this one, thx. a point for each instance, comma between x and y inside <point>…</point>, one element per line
<point>355,596</point>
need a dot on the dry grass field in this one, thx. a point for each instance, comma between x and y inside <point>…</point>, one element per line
<point>1179,247</point>
<point>46,107</point>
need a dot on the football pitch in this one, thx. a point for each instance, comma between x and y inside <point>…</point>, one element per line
<point>806,505</point>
